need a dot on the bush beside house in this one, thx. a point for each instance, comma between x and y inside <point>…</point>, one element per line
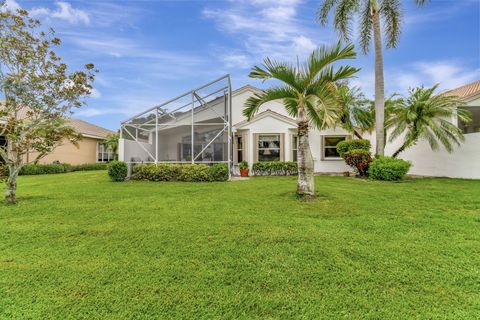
<point>275,168</point>
<point>388,169</point>
<point>356,154</point>
<point>180,172</point>
<point>118,170</point>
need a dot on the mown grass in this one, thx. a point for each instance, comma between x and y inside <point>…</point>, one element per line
<point>78,246</point>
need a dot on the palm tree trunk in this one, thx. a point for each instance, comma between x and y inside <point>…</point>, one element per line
<point>305,184</point>
<point>379,84</point>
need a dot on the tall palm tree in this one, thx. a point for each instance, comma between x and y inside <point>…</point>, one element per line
<point>353,109</point>
<point>424,115</point>
<point>309,94</point>
<point>370,14</point>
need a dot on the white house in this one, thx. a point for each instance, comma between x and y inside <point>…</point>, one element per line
<point>270,136</point>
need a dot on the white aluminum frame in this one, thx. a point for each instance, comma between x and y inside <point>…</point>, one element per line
<point>197,102</point>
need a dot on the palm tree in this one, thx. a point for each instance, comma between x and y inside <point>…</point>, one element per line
<point>309,94</point>
<point>354,111</point>
<point>424,115</point>
<point>370,13</point>
<point>111,141</point>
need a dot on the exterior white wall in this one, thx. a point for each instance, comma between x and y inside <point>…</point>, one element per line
<point>463,162</point>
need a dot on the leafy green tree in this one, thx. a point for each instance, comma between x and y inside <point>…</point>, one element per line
<point>370,14</point>
<point>111,141</point>
<point>426,115</point>
<point>39,93</point>
<point>309,93</point>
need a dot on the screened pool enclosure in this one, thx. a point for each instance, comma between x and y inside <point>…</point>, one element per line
<point>194,127</point>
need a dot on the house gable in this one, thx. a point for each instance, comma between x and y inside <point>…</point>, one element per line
<point>266,114</point>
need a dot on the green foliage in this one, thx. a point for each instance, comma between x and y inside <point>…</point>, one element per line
<point>90,166</point>
<point>388,169</point>
<point>117,170</point>
<point>35,169</point>
<point>180,172</point>
<point>36,84</point>
<point>243,165</point>
<point>359,159</point>
<point>353,144</point>
<point>194,173</point>
<point>218,172</point>
<point>275,168</point>
<point>426,115</point>
<point>111,141</point>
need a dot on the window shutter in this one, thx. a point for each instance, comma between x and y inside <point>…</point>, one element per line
<point>322,148</point>
<point>282,146</point>
<point>255,147</point>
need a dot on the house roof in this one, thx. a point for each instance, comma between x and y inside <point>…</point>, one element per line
<point>264,114</point>
<point>465,92</point>
<point>88,129</point>
<point>84,128</point>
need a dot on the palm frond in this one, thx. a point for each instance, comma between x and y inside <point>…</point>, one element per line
<point>324,10</point>
<point>325,56</point>
<point>254,103</point>
<point>343,18</point>
<point>391,12</point>
<point>366,27</point>
<point>281,71</point>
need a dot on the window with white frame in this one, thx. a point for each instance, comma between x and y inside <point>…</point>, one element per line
<point>330,146</point>
<point>269,147</point>
<point>239,140</point>
<point>294,148</point>
<point>104,153</point>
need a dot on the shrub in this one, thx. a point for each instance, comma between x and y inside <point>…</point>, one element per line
<point>90,166</point>
<point>118,170</point>
<point>358,159</point>
<point>180,172</point>
<point>388,169</point>
<point>35,169</point>
<point>276,168</point>
<point>194,173</point>
<point>218,172</point>
<point>354,144</point>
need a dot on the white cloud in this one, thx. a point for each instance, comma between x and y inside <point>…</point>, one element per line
<point>64,11</point>
<point>264,28</point>
<point>449,74</point>
<point>11,5</point>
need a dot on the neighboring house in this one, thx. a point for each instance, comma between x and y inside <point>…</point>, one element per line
<point>90,148</point>
<point>272,136</point>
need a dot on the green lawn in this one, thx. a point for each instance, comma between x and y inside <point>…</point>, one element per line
<point>81,247</point>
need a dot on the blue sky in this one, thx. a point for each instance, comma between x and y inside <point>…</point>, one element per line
<point>150,51</point>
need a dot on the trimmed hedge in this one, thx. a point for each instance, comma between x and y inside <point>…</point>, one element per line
<point>388,169</point>
<point>54,168</point>
<point>90,167</point>
<point>353,144</point>
<point>275,168</point>
<point>180,172</point>
<point>118,170</point>
<point>36,169</point>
